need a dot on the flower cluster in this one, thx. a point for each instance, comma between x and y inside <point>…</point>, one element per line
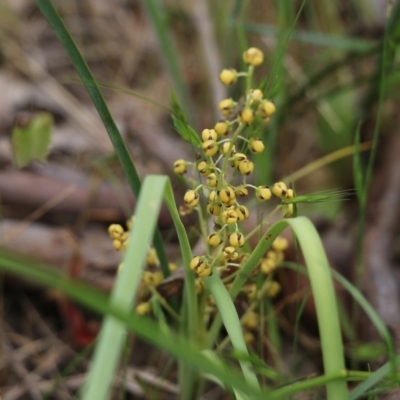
<point>150,277</point>
<point>224,156</point>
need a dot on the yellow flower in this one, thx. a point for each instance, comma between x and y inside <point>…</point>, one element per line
<point>263,193</point>
<point>228,76</point>
<point>236,239</point>
<point>209,134</point>
<point>230,216</point>
<point>256,145</point>
<point>222,128</point>
<point>246,167</point>
<point>226,106</point>
<point>253,56</point>
<point>279,189</point>
<point>247,116</point>
<point>226,194</point>
<point>210,148</point>
<point>280,244</point>
<point>191,198</point>
<point>267,108</point>
<point>214,239</point>
<point>143,308</point>
<point>180,167</point>
<point>204,168</point>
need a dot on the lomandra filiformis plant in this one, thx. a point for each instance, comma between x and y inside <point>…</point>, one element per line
<point>221,174</point>
<point>220,189</point>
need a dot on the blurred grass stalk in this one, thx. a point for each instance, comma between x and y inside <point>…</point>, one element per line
<point>156,13</point>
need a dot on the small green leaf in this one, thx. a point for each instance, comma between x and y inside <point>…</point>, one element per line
<point>179,119</point>
<point>186,132</point>
<point>31,138</point>
<point>320,197</point>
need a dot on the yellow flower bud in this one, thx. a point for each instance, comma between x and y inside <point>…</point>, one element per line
<point>246,167</point>
<point>288,210</point>
<point>228,76</point>
<point>152,258</point>
<point>236,239</point>
<point>118,245</point>
<point>226,194</point>
<point>279,189</point>
<point>191,198</point>
<point>149,278</point>
<point>280,244</point>
<point>248,338</point>
<point>214,209</point>
<point>242,213</point>
<point>210,148</point>
<point>209,134</point>
<point>206,272</point>
<point>267,108</point>
<point>267,265</point>
<point>256,145</point>
<point>197,263</point>
<point>241,191</point>
<point>213,196</point>
<point>214,239</point>
<point>237,159</point>
<point>180,167</point>
<point>225,148</point>
<point>230,216</point>
<point>130,222</point>
<point>172,267</point>
<point>204,168</point>
<point>273,289</point>
<point>256,95</point>
<point>212,180</point>
<point>246,116</point>
<point>143,308</point>
<point>263,193</point>
<point>115,231</point>
<point>251,290</point>
<point>222,128</point>
<point>226,106</point>
<point>251,320</point>
<point>290,194</point>
<point>230,253</point>
<point>198,285</point>
<point>253,56</point>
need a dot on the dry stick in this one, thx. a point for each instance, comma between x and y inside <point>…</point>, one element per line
<point>379,280</point>
<point>27,379</point>
<point>211,54</point>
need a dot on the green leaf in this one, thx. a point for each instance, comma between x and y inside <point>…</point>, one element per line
<point>186,132</point>
<point>179,119</point>
<point>31,138</point>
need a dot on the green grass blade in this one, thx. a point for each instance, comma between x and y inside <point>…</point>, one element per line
<point>364,304</point>
<point>189,327</point>
<point>106,357</point>
<point>55,21</point>
<point>322,288</point>
<point>229,316</point>
<point>155,11</point>
<point>144,328</point>
<point>344,43</point>
<point>375,378</point>
<point>371,313</point>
